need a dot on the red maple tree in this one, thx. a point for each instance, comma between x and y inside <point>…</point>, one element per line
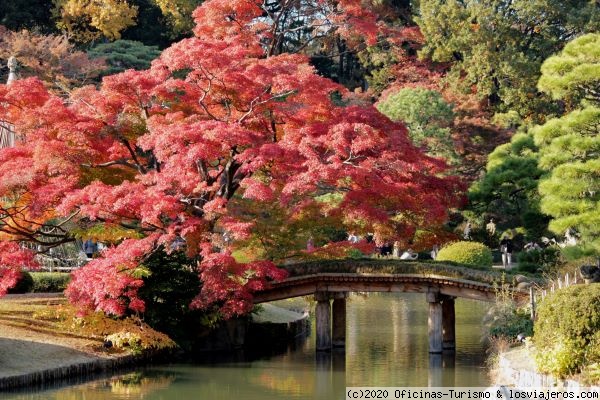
<point>160,155</point>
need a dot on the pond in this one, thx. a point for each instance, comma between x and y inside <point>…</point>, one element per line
<point>387,345</point>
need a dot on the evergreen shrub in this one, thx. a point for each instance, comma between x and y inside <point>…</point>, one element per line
<point>543,259</point>
<point>24,285</point>
<point>473,254</point>
<point>50,282</point>
<point>567,330</point>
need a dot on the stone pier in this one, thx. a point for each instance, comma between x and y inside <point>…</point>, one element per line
<point>330,321</point>
<point>323,321</point>
<point>448,323</point>
<point>339,320</point>
<point>330,316</point>
<point>434,322</point>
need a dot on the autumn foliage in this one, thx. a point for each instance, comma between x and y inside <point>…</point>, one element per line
<point>173,152</point>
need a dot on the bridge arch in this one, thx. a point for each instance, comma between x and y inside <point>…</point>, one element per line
<point>331,281</point>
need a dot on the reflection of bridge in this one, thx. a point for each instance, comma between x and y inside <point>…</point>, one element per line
<point>333,280</point>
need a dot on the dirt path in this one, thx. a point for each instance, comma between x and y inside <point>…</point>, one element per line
<point>29,345</point>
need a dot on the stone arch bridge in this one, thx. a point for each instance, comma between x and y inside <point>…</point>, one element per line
<point>331,281</point>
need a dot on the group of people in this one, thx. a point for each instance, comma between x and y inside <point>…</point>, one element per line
<point>387,249</point>
<point>394,250</point>
<point>507,246</point>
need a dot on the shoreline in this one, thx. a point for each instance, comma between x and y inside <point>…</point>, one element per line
<point>32,354</point>
<point>515,367</point>
<point>79,371</point>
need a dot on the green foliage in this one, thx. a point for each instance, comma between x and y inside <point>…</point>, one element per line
<point>355,254</point>
<point>378,60</point>
<point>178,13</point>
<point>505,321</point>
<point>105,232</point>
<point>546,260</point>
<point>292,236</point>
<point>126,341</point>
<point>508,190</point>
<point>428,118</point>
<point>124,54</point>
<point>567,330</point>
<point>470,253</point>
<point>26,14</point>
<point>570,145</point>
<point>42,282</point>
<point>24,285</point>
<point>50,282</point>
<point>169,288</point>
<point>574,73</point>
<point>498,46</point>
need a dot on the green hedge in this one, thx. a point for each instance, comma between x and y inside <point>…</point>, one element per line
<point>50,282</point>
<point>469,253</point>
<point>567,330</point>
<point>24,285</point>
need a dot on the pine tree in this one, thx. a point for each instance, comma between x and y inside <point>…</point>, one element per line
<point>121,55</point>
<point>508,190</point>
<point>570,145</point>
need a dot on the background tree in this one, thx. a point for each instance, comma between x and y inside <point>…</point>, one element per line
<point>570,145</point>
<point>179,14</point>
<point>89,20</point>
<point>17,15</point>
<point>498,46</point>
<point>121,55</point>
<point>473,132</point>
<point>573,74</point>
<point>49,57</point>
<point>151,26</point>
<point>165,155</point>
<point>427,116</point>
<point>508,190</point>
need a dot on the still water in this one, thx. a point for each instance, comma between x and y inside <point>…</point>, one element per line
<point>386,345</point>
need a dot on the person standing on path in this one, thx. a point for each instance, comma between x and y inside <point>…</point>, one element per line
<point>467,231</point>
<point>506,247</point>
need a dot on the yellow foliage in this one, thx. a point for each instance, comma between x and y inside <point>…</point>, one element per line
<point>106,233</point>
<point>87,20</point>
<point>179,13</point>
<point>12,221</point>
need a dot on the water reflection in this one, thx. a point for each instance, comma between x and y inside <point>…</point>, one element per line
<point>442,370</point>
<point>386,346</point>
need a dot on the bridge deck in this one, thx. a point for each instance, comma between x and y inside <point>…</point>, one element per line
<point>373,282</point>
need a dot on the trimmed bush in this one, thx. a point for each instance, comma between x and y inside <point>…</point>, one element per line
<point>567,330</point>
<point>24,285</point>
<point>50,282</point>
<point>473,254</point>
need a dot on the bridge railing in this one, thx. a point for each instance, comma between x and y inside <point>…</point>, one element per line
<point>562,282</point>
